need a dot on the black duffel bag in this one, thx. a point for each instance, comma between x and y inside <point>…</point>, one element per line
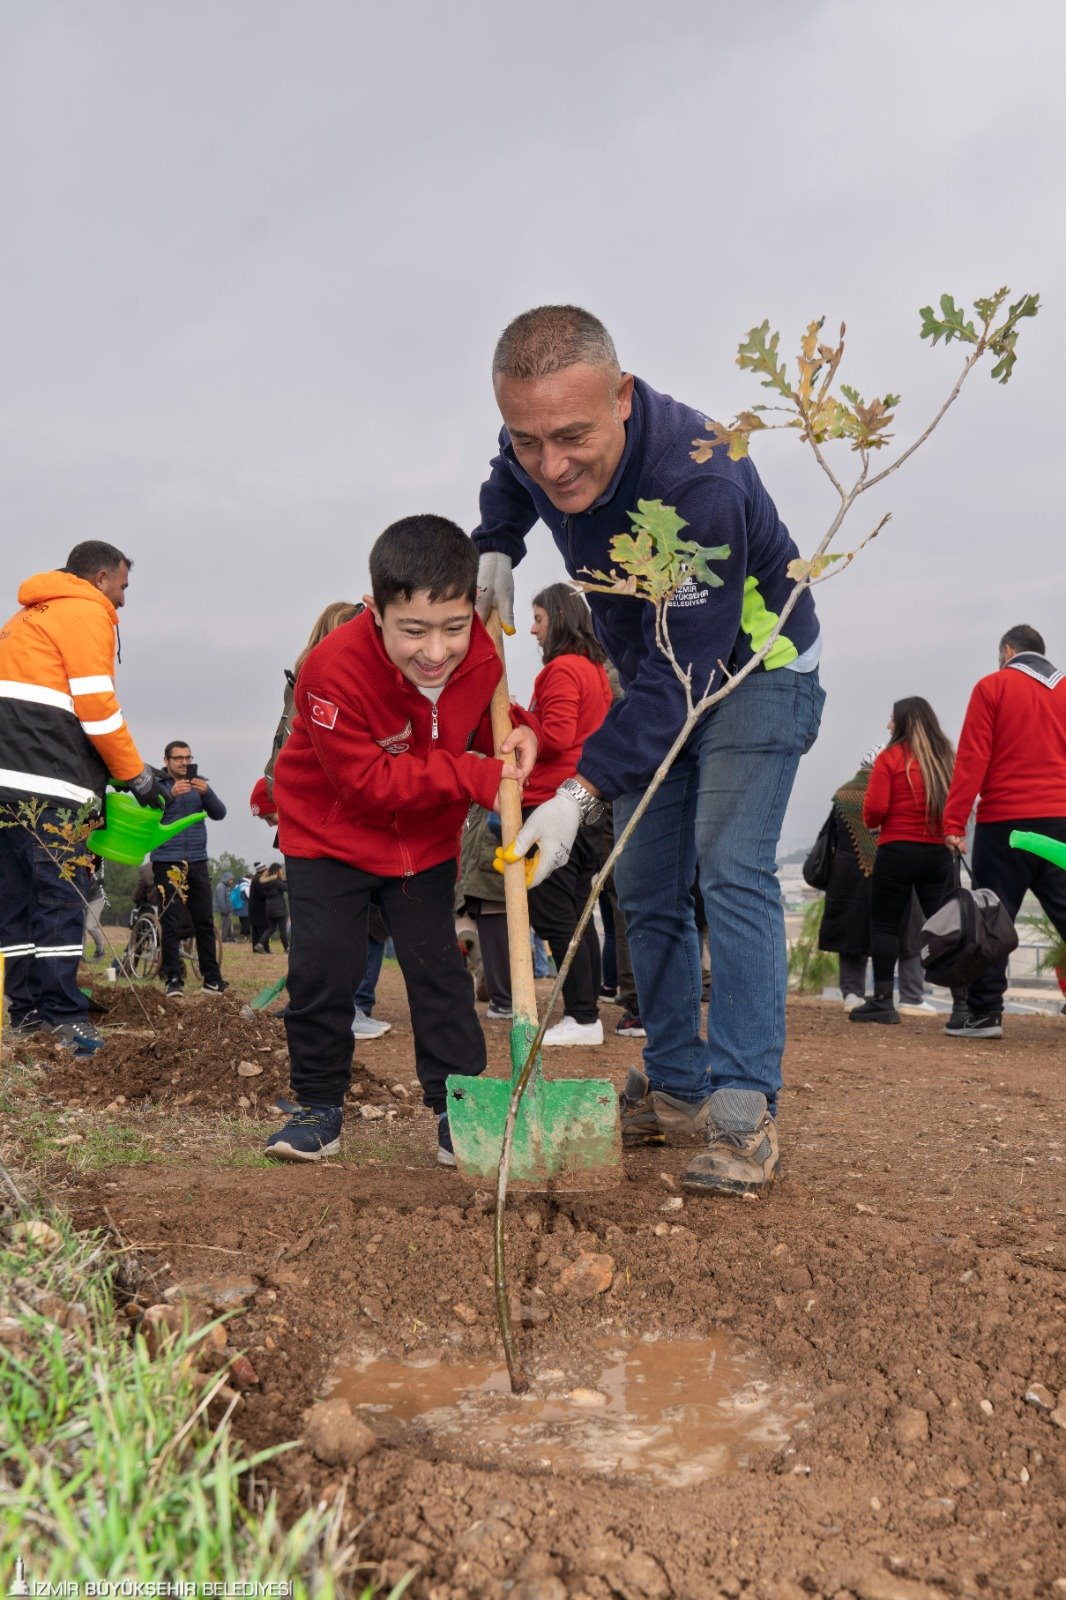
<point>970,933</point>
<point>819,862</point>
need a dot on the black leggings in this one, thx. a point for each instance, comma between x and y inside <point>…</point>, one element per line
<point>554,907</point>
<point>900,867</point>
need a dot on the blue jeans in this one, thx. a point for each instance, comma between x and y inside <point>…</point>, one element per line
<point>721,807</point>
<point>366,994</point>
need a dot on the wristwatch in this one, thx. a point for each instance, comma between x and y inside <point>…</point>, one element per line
<point>590,805</point>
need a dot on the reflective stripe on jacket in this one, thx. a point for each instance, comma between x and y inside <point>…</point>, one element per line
<point>62,732</point>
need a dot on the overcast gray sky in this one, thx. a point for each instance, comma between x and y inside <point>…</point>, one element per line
<point>255,257</point>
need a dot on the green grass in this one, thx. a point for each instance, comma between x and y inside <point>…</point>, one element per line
<point>39,1131</point>
<point>106,1145</point>
<point>810,970</point>
<point>108,1467</point>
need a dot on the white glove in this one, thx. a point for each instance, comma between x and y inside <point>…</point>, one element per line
<point>495,587</point>
<point>553,829</point>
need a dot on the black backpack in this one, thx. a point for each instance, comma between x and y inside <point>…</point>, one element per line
<point>970,933</point>
<point>819,863</point>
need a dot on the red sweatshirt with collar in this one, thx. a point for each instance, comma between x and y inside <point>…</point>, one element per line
<point>1012,752</point>
<point>571,697</point>
<point>373,772</point>
<point>895,799</point>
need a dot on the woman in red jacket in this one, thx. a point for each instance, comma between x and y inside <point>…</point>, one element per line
<point>571,697</point>
<point>905,799</point>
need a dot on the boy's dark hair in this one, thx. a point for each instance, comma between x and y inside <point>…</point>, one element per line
<point>423,552</point>
<point>93,556</point>
<point>1022,638</point>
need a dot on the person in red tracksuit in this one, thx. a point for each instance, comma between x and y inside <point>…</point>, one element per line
<point>905,799</point>
<point>571,697</point>
<point>390,743</point>
<point>1012,752</point>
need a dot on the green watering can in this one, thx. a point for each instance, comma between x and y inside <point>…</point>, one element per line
<point>1038,844</point>
<point>130,830</point>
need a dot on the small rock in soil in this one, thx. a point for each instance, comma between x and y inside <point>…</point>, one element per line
<point>591,1274</point>
<point>910,1426</point>
<point>243,1374</point>
<point>887,1586</point>
<point>1040,1396</point>
<point>221,1294</point>
<point>249,1069</point>
<point>540,1589</point>
<point>589,1398</point>
<point>465,1314</point>
<point>159,1324</point>
<point>371,1113</point>
<point>1058,1416</point>
<point>641,1577</point>
<point>37,1232</point>
<point>337,1437</point>
<point>673,1203</point>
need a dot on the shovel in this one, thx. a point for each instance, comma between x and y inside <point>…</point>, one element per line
<point>568,1130</point>
<point>1038,844</point>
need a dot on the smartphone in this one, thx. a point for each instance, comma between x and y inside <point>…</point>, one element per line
<point>192,770</point>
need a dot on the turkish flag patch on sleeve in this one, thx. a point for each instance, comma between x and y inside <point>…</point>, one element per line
<point>323,712</point>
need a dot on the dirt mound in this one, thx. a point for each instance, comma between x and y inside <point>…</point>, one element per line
<point>200,1051</point>
<point>905,1277</point>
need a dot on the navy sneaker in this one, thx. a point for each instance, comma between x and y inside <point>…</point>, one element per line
<point>214,986</point>
<point>310,1133</point>
<point>631,1027</point>
<point>79,1036</point>
<point>445,1148</point>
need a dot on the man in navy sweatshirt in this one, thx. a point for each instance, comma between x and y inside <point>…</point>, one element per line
<point>582,442</point>
<point>181,871</point>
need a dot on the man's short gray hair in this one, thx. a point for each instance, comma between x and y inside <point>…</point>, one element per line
<point>549,338</point>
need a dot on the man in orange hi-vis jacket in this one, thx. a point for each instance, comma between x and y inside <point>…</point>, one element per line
<point>62,738</point>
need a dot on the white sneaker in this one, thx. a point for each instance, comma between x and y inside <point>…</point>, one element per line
<point>570,1032</point>
<point>365,1027</point>
<point>851,1001</point>
<point>924,1008</point>
<point>497,1013</point>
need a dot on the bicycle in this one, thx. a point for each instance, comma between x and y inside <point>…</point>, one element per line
<point>143,955</point>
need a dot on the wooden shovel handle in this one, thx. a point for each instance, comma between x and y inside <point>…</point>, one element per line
<point>523,992</point>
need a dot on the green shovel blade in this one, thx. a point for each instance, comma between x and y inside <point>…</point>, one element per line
<point>565,1128</point>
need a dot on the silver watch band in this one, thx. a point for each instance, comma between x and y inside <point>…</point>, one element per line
<point>590,806</point>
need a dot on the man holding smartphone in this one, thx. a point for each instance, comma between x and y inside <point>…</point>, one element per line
<point>180,871</point>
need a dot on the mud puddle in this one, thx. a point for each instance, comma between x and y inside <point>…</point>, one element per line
<point>669,1412</point>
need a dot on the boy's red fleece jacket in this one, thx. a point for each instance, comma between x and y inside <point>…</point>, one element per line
<point>571,697</point>
<point>373,773</point>
<point>1012,752</point>
<point>895,799</point>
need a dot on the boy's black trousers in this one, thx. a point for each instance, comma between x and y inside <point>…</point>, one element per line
<point>329,906</point>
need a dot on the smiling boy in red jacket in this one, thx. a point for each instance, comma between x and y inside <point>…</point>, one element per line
<point>390,744</point>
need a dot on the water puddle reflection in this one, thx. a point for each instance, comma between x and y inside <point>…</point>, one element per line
<point>671,1411</point>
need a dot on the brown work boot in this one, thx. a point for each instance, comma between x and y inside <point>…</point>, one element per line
<point>742,1155</point>
<point>653,1117</point>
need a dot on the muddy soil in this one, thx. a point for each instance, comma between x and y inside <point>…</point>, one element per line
<point>185,1052</point>
<point>905,1277</point>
